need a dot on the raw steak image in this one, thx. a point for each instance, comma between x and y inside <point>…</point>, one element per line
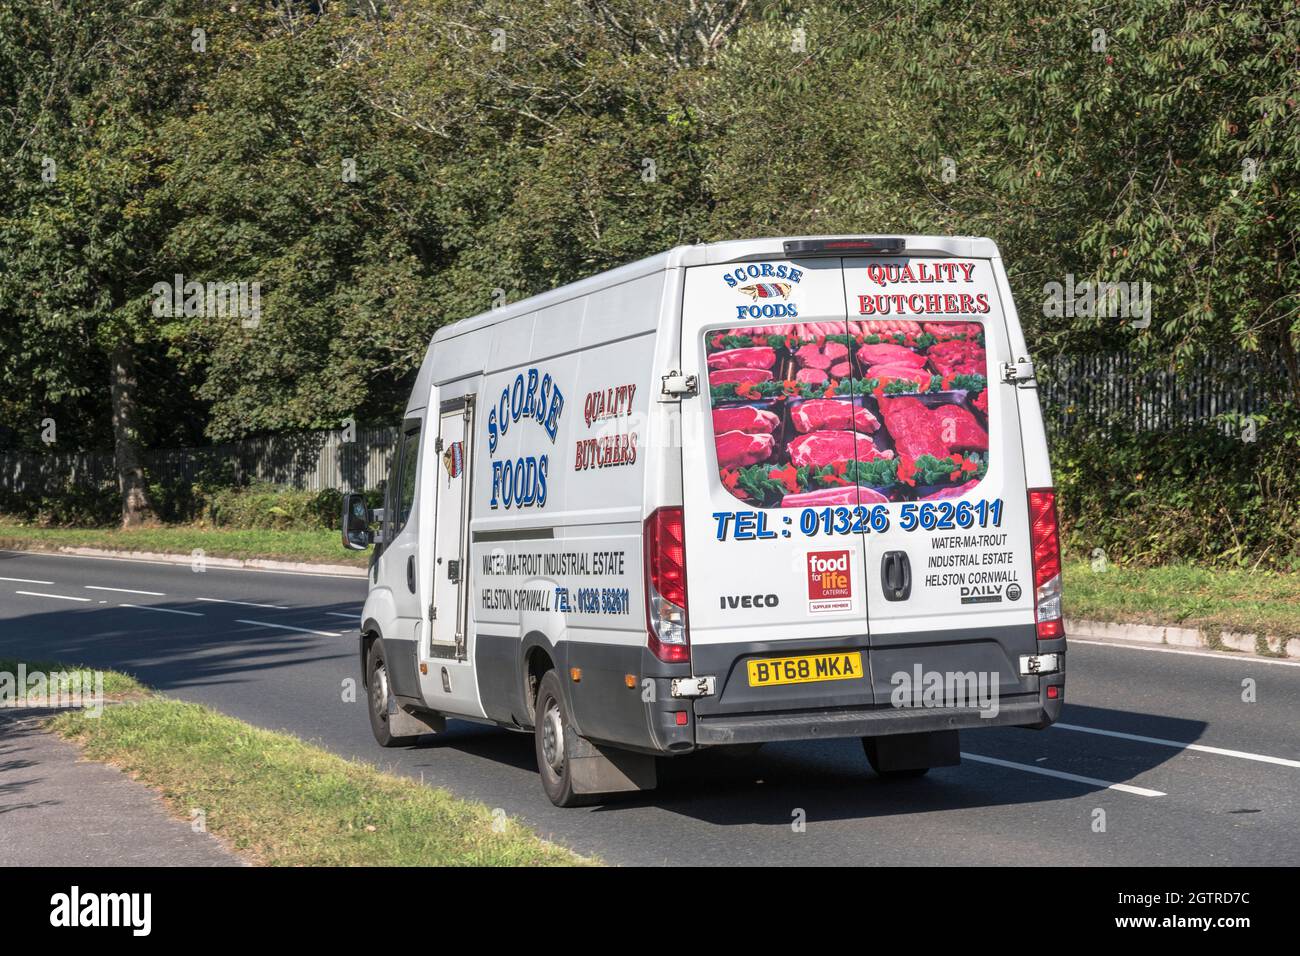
<point>752,375</point>
<point>889,355</point>
<point>811,376</point>
<point>965,431</point>
<point>810,356</point>
<point>957,357</point>
<point>841,495</point>
<point>822,413</point>
<point>869,452</point>
<point>827,447</point>
<point>738,449</point>
<point>835,350</point>
<point>918,430</point>
<point>840,371</point>
<point>892,373</point>
<point>909,424</point>
<point>755,357</point>
<point>745,418</point>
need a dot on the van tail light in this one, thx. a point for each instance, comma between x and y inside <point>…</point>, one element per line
<point>665,594</point>
<point>1046,542</point>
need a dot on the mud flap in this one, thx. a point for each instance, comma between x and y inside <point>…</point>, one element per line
<point>939,748</point>
<point>403,723</point>
<point>599,769</point>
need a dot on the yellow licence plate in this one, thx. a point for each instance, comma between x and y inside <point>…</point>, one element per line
<point>805,670</point>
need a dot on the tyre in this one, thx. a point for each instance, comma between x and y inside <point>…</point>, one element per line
<point>378,697</point>
<point>551,726</point>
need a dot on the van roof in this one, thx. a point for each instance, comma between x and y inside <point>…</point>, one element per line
<point>705,253</point>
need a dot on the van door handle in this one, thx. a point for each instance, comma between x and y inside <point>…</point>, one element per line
<point>410,573</point>
<point>895,575</point>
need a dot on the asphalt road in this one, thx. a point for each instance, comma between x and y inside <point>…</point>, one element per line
<point>1020,796</point>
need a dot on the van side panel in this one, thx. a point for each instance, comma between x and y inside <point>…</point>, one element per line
<point>561,459</point>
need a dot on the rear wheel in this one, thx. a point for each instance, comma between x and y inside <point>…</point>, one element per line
<point>380,693</point>
<point>551,727</point>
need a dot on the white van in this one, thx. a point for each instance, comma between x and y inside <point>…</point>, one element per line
<point>750,491</point>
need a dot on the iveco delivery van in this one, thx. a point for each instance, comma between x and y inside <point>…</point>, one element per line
<point>750,491</point>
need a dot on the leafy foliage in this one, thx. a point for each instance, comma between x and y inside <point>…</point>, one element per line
<point>503,148</point>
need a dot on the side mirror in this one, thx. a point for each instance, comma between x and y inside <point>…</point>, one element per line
<point>357,518</point>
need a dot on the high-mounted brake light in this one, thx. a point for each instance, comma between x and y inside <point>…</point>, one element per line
<point>1046,544</point>
<point>842,247</point>
<point>665,598</point>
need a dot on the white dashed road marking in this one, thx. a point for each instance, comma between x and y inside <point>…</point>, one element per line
<point>95,587</point>
<point>58,597</point>
<point>1062,775</point>
<point>271,607</point>
<point>286,627</point>
<point>164,610</point>
<point>25,581</point>
<point>1242,754</point>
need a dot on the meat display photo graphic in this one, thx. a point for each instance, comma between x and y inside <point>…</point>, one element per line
<point>847,413</point>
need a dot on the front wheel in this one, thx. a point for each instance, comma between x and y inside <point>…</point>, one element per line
<point>379,697</point>
<point>551,727</point>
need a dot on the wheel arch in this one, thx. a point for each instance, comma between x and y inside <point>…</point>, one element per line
<point>369,634</point>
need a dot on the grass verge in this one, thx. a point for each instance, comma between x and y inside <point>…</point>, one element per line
<point>1260,602</point>
<point>58,680</point>
<point>283,802</point>
<point>316,547</point>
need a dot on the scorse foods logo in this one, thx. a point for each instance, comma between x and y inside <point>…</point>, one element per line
<point>521,482</point>
<point>764,281</point>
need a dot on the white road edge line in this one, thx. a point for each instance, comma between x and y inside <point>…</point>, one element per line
<point>350,617</point>
<point>296,630</point>
<point>163,610</point>
<point>1212,655</point>
<point>96,587</point>
<point>25,581</point>
<point>59,597</point>
<point>1062,775</point>
<point>1179,745</point>
<point>272,607</point>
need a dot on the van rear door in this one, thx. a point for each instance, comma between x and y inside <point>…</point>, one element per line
<point>949,582</point>
<point>777,599</point>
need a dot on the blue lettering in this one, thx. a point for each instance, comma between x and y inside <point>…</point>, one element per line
<point>517,398</point>
<point>530,402</point>
<point>546,397</point>
<point>552,424</point>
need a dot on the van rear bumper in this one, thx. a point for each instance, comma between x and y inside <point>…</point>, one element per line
<point>723,729</point>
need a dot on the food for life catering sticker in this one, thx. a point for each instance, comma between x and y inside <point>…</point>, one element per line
<point>830,586</point>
